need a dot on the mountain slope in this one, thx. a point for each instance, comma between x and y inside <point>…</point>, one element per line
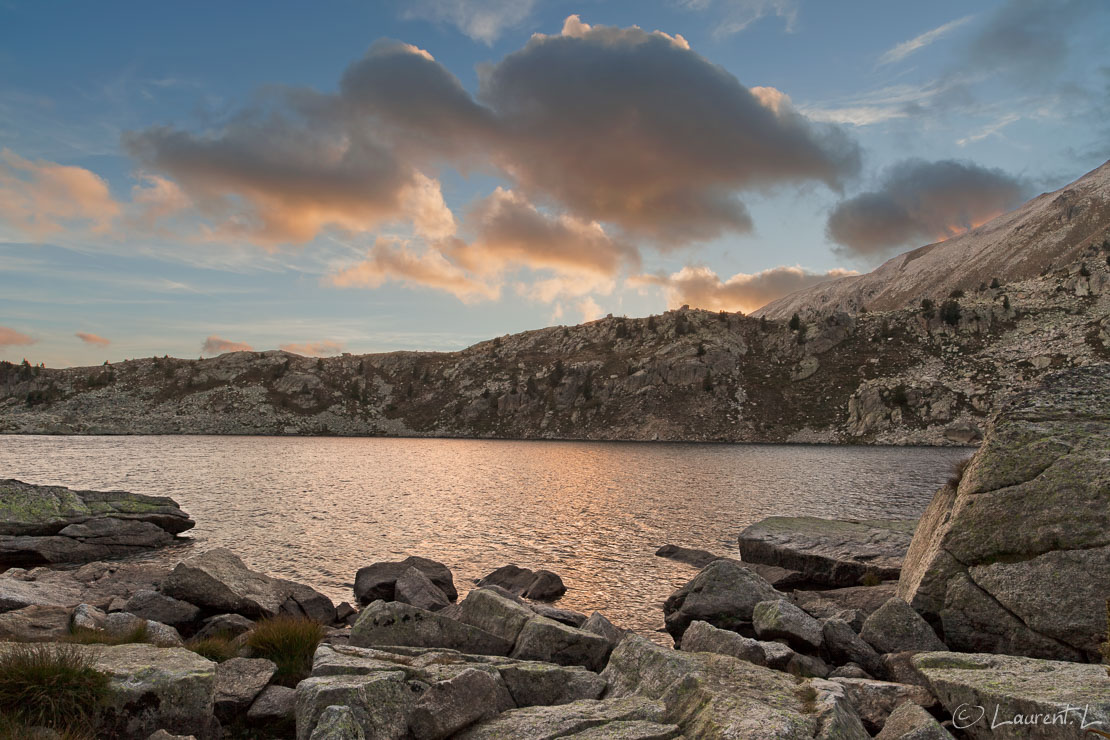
<point>1050,232</point>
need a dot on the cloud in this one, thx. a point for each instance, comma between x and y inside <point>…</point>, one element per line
<point>922,201</point>
<point>391,259</point>
<point>12,338</point>
<point>93,339</point>
<point>323,348</point>
<point>633,128</point>
<point>590,310</point>
<point>904,49</point>
<point>700,287</point>
<point>39,198</point>
<point>991,129</point>
<point>481,20</point>
<point>737,15</point>
<point>214,345</point>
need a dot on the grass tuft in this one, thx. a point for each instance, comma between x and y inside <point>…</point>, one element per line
<point>958,471</point>
<point>216,648</point>
<point>288,641</point>
<point>87,636</point>
<point>50,685</point>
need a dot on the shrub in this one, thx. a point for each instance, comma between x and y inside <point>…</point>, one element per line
<point>217,648</point>
<point>928,308</point>
<point>1006,302</point>
<point>290,643</point>
<point>795,323</point>
<point>995,284</point>
<point>957,293</point>
<point>950,312</point>
<point>86,636</point>
<point>1084,271</point>
<point>958,471</point>
<point>870,579</point>
<point>51,685</point>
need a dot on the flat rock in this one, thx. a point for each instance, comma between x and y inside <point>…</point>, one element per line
<point>1010,688</point>
<point>378,581</point>
<point>239,681</point>
<point>392,623</point>
<point>724,594</point>
<point>568,617</point>
<point>896,627</point>
<point>150,604</point>
<point>379,702</point>
<point>553,642</point>
<point>543,684</point>
<point>910,722</point>
<point>781,619</point>
<point>415,588</point>
<point>54,524</point>
<point>1016,557</point>
<point>564,719</point>
<point>688,555</point>
<point>829,552</point>
<point>35,624</point>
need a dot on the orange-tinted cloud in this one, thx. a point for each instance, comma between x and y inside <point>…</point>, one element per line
<point>96,339</point>
<point>12,338</point>
<point>214,345</point>
<point>323,348</point>
<point>39,198</point>
<point>392,260</point>
<point>920,201</point>
<point>700,287</point>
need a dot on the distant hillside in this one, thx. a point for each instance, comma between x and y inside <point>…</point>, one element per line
<point>1053,231</point>
<point>889,377</point>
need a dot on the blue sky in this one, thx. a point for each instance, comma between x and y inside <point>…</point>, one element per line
<point>361,176</point>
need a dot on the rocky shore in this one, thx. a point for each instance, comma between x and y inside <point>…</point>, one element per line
<point>975,624</point>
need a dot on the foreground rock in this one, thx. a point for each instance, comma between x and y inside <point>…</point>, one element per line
<point>895,627</point>
<point>724,594</point>
<point>830,553</point>
<point>52,524</point>
<point>98,584</point>
<point>1016,557</point>
<point>217,581</point>
<point>1021,697</point>
<point>393,623</point>
<point>911,722</point>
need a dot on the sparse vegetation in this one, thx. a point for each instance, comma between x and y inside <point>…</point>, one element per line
<point>950,312</point>
<point>795,322</point>
<point>217,648</point>
<point>995,284</point>
<point>957,293</point>
<point>928,308</point>
<point>958,471</point>
<point>290,643</point>
<point>870,579</point>
<point>1084,271</point>
<point>86,636</point>
<point>50,685</point>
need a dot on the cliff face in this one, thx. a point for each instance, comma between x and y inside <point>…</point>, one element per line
<point>1051,232</point>
<point>891,377</point>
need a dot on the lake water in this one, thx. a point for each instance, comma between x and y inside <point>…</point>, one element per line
<point>316,509</point>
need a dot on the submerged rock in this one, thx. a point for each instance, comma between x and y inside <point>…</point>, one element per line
<point>828,552</point>
<point>53,524</point>
<point>1016,557</point>
<point>688,555</point>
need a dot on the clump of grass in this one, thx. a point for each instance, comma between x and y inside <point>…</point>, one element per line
<point>216,648</point>
<point>290,642</point>
<point>88,636</point>
<point>958,471</point>
<point>807,695</point>
<point>47,685</point>
<point>870,578</point>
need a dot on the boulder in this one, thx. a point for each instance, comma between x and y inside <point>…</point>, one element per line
<point>716,696</point>
<point>896,627</point>
<point>274,704</point>
<point>806,666</point>
<point>854,599</point>
<point>150,604</point>
<point>830,552</point>
<point>449,706</point>
<point>875,700</point>
<point>543,684</point>
<point>898,667</point>
<point>845,646</point>
<point>540,585</point>
<point>415,588</point>
<point>488,610</point>
<point>1005,691</point>
<point>564,719</point>
<point>566,616</point>
<point>378,581</point>
<point>702,637</point>
<point>777,619</point>
<point>849,670</point>
<point>628,730</point>
<point>338,722</point>
<point>96,584</point>
<point>697,558</point>
<point>35,624</point>
<point>724,594</point>
<point>910,722</point>
<point>600,625</point>
<point>379,702</point>
<point>239,681</point>
<point>1015,558</point>
<point>54,524</point>
<point>225,625</point>
<point>88,617</point>
<point>218,581</point>
<point>392,623</point>
<point>553,642</point>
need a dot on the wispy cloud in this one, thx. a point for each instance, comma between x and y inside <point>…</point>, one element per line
<point>481,20</point>
<point>322,348</point>
<point>734,16</point>
<point>215,345</point>
<point>989,130</point>
<point>95,339</point>
<point>10,337</point>
<point>904,49</point>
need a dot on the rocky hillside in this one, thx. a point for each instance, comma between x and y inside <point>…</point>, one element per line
<point>902,377</point>
<point>1051,232</point>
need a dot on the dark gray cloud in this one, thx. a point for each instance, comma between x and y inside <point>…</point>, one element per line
<point>919,201</point>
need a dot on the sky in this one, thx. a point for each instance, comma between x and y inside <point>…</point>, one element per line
<point>356,176</point>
